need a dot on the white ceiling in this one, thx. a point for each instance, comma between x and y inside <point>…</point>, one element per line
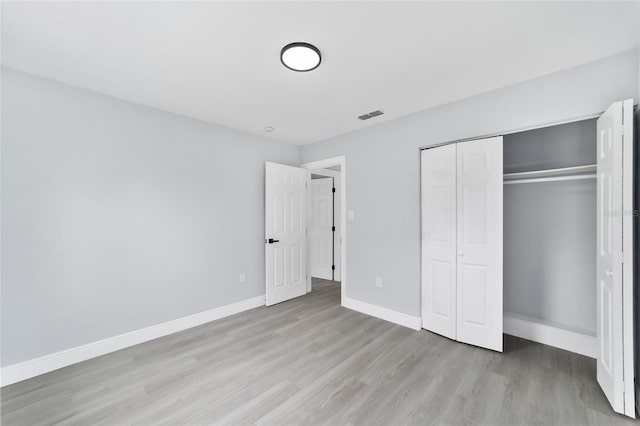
<point>219,61</point>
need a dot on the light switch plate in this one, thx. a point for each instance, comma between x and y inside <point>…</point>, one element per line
<point>243,277</point>
<point>350,214</point>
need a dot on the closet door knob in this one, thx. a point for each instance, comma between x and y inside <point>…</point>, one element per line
<point>609,273</point>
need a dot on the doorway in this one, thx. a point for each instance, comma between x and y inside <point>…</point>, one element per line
<point>326,224</point>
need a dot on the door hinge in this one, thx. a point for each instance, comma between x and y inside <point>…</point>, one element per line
<point>333,190</point>
<point>333,229</point>
<point>333,267</point>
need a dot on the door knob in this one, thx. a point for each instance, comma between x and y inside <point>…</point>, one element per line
<point>609,273</point>
<point>271,241</point>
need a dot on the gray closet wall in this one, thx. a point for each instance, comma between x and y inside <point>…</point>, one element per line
<point>550,228</point>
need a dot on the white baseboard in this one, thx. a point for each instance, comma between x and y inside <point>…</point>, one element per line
<point>548,334</point>
<point>400,318</point>
<point>34,367</point>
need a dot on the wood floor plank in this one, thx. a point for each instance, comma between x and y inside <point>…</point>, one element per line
<point>310,361</point>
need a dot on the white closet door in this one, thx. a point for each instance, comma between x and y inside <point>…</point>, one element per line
<point>439,240</point>
<point>479,234</point>
<point>286,232</point>
<point>320,228</point>
<point>615,281</point>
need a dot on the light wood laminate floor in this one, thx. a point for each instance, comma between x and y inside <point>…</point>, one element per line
<point>309,361</point>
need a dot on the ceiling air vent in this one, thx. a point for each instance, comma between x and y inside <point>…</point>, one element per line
<point>371,115</point>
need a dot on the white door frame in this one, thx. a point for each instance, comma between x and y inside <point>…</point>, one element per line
<point>324,164</point>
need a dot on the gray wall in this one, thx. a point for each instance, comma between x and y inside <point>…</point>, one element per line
<point>550,228</point>
<point>117,216</point>
<point>384,239</point>
<point>565,145</point>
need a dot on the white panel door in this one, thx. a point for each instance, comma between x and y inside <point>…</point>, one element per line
<point>285,232</point>
<point>337,236</point>
<point>479,242</point>
<point>614,289</point>
<point>438,174</point>
<point>320,228</point>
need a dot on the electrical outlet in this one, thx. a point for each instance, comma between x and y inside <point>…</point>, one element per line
<point>378,282</point>
<point>243,277</point>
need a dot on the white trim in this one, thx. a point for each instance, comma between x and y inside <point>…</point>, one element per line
<point>44,364</point>
<point>406,320</point>
<point>323,164</point>
<point>549,334</point>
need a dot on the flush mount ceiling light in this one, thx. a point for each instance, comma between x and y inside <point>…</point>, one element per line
<point>269,129</point>
<point>300,57</point>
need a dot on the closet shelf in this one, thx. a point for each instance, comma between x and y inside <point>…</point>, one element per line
<point>550,175</point>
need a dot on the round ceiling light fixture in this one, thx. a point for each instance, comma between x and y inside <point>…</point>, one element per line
<point>269,129</point>
<point>300,57</point>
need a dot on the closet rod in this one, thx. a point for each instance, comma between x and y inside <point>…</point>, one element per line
<point>565,171</point>
<point>550,179</point>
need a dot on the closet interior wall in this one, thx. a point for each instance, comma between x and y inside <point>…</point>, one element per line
<point>549,229</point>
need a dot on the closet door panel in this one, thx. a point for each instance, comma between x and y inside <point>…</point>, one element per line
<point>610,338</point>
<point>439,240</point>
<point>479,243</point>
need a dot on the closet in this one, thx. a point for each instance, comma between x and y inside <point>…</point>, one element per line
<point>550,232</point>
<point>531,234</point>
